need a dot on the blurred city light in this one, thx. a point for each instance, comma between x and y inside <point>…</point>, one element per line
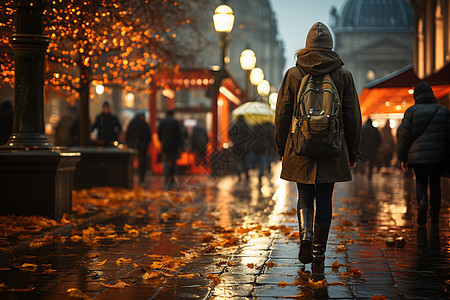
<point>256,76</point>
<point>99,89</point>
<point>223,18</point>
<point>248,59</point>
<point>264,88</point>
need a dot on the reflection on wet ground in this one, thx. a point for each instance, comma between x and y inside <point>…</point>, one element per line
<point>221,238</point>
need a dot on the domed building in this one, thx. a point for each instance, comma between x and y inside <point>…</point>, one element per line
<point>374,37</point>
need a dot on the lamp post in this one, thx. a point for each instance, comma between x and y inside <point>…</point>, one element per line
<point>248,62</point>
<point>264,89</point>
<point>223,20</point>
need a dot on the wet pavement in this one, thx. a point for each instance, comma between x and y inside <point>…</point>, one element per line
<point>220,238</point>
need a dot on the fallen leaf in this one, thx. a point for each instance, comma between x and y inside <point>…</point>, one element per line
<point>379,297</point>
<point>337,283</point>
<point>340,248</point>
<point>251,265</point>
<point>283,284</point>
<point>404,266</point>
<point>186,275</point>
<point>230,264</point>
<point>151,275</point>
<point>270,264</point>
<point>49,271</point>
<point>123,260</point>
<point>2,286</point>
<point>351,273</point>
<point>102,263</point>
<point>76,293</point>
<point>119,285</point>
<point>29,267</point>
<point>76,238</point>
<point>215,279</point>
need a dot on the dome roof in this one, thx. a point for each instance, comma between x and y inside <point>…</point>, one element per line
<point>376,14</point>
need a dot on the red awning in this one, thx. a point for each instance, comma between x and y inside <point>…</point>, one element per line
<point>394,92</point>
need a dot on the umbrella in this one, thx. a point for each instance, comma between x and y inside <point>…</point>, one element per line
<point>254,112</point>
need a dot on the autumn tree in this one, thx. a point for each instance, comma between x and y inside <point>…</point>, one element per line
<point>117,43</point>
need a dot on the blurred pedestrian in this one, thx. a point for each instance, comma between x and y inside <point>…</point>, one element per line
<point>423,145</point>
<point>370,143</point>
<point>169,133</point>
<point>387,148</point>
<point>199,144</point>
<point>242,137</point>
<point>6,121</point>
<point>63,136</point>
<point>316,177</point>
<point>138,136</point>
<point>108,126</point>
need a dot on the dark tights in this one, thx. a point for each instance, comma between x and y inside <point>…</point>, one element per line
<point>323,194</point>
<point>429,176</point>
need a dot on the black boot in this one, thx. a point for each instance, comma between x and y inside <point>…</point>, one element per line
<point>305,222</point>
<point>320,242</point>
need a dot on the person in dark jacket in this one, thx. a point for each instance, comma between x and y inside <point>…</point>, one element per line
<point>423,145</point>
<point>370,143</point>
<point>315,178</point>
<point>169,133</point>
<point>387,148</point>
<point>108,126</point>
<point>138,137</point>
<point>6,121</point>
<point>242,137</point>
<point>199,143</point>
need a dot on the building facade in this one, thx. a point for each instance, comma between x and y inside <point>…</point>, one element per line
<point>432,35</point>
<point>374,37</point>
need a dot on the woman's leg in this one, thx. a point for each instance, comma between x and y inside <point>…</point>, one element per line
<point>305,215</point>
<point>324,211</point>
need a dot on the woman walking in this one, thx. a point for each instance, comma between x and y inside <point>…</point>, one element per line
<point>316,176</point>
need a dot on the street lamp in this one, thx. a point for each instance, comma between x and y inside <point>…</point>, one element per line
<point>248,62</point>
<point>256,76</point>
<point>264,88</point>
<point>223,19</point>
<point>273,100</point>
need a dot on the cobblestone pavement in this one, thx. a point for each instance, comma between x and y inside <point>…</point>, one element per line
<point>220,238</point>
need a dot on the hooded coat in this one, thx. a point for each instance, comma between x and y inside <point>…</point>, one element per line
<point>318,59</point>
<point>422,141</point>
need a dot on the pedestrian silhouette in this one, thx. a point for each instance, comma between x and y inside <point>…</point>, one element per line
<point>242,138</point>
<point>370,143</point>
<point>316,176</point>
<point>6,121</point>
<point>169,133</point>
<point>199,144</point>
<point>423,145</point>
<point>63,136</point>
<point>387,148</point>
<point>108,126</point>
<point>138,137</point>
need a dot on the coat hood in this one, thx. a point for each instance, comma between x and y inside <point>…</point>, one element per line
<point>423,93</point>
<point>318,61</point>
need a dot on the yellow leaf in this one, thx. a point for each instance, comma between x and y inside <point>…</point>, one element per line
<point>76,238</point>
<point>102,263</point>
<point>283,284</point>
<point>250,265</point>
<point>215,279</point>
<point>29,267</point>
<point>123,260</point>
<point>119,285</point>
<point>151,275</point>
<point>186,275</point>
<point>337,283</point>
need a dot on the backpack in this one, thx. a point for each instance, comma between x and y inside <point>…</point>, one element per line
<point>317,127</point>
